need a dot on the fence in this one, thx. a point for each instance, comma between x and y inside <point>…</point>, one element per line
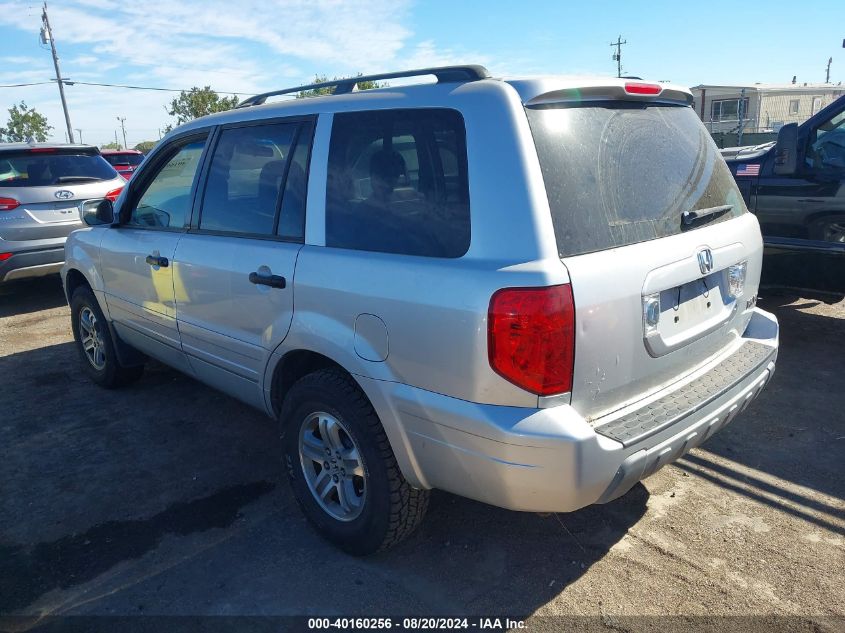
<point>754,117</point>
<point>732,139</point>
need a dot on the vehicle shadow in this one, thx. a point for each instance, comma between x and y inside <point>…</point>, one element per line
<point>31,295</point>
<point>471,558</point>
<point>103,489</point>
<point>795,430</point>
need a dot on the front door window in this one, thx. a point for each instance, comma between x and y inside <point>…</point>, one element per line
<point>166,201</point>
<point>827,149</point>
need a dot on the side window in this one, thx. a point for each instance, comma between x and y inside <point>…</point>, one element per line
<point>166,202</point>
<point>292,215</point>
<point>827,149</point>
<point>397,183</point>
<point>245,178</point>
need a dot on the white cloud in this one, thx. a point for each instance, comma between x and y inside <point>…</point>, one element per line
<point>426,54</point>
<point>247,46</point>
<point>18,60</point>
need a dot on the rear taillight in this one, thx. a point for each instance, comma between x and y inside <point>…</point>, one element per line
<point>4,256</point>
<point>736,279</point>
<point>7,204</point>
<point>633,88</point>
<point>113,194</point>
<point>531,337</point>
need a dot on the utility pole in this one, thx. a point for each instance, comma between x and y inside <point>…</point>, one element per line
<point>123,127</point>
<point>116,142</point>
<point>617,56</point>
<point>829,62</point>
<point>47,35</point>
<point>80,133</point>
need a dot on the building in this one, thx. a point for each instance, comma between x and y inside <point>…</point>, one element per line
<point>761,107</point>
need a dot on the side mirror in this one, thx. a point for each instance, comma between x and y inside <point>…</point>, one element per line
<point>786,150</point>
<point>98,212</point>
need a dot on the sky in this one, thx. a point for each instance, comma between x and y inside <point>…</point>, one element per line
<point>252,46</point>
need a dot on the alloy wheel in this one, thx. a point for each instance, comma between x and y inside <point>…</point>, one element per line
<point>333,466</point>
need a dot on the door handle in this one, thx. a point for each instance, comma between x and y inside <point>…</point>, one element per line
<point>274,281</point>
<point>156,260</point>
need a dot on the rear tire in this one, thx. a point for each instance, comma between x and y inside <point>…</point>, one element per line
<point>94,342</point>
<point>381,507</point>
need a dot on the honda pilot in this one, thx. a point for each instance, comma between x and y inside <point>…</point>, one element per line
<point>532,293</point>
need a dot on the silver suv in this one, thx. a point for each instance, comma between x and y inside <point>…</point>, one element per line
<point>532,293</point>
<point>42,188</point>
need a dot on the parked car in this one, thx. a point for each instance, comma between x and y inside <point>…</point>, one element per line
<point>796,187</point>
<point>42,188</point>
<point>125,161</point>
<point>532,293</point>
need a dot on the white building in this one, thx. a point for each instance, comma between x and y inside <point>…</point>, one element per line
<point>763,107</point>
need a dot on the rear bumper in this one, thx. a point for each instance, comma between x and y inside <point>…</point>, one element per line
<point>32,262</point>
<point>552,460</point>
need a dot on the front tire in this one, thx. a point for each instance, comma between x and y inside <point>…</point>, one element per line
<point>342,469</point>
<point>94,342</point>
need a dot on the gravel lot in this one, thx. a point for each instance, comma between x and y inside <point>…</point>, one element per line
<point>167,498</point>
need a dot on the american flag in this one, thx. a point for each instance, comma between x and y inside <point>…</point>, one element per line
<point>748,170</point>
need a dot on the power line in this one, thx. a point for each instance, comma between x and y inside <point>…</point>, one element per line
<point>34,83</point>
<point>71,82</point>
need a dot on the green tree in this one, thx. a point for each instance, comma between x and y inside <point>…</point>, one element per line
<point>24,124</point>
<point>111,146</point>
<point>318,79</point>
<point>146,146</point>
<point>197,102</point>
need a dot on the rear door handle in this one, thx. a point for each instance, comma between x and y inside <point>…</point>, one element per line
<point>274,281</point>
<point>156,260</point>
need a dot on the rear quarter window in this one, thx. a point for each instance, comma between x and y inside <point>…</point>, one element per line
<point>397,183</point>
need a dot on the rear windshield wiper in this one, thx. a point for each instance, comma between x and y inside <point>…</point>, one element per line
<point>688,217</point>
<point>61,179</point>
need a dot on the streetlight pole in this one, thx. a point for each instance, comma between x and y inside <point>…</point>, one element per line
<point>123,127</point>
<point>80,133</point>
<point>47,34</point>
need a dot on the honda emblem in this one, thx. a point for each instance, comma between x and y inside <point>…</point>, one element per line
<point>705,261</point>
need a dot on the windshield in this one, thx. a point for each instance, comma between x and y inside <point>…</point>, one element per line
<point>124,159</point>
<point>46,168</point>
<point>618,173</point>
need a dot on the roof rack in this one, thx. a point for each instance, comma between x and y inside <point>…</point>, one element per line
<point>347,85</point>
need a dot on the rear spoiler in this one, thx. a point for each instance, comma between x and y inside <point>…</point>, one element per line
<point>630,91</point>
<point>92,150</point>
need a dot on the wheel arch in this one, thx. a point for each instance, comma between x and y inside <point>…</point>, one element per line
<point>296,363</point>
<point>73,279</point>
<point>292,366</point>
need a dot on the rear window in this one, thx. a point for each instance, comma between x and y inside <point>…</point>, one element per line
<point>43,169</point>
<point>622,173</point>
<point>124,159</point>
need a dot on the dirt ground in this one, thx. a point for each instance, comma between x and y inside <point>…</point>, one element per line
<point>167,498</point>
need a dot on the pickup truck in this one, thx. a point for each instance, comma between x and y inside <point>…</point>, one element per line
<point>796,187</point>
